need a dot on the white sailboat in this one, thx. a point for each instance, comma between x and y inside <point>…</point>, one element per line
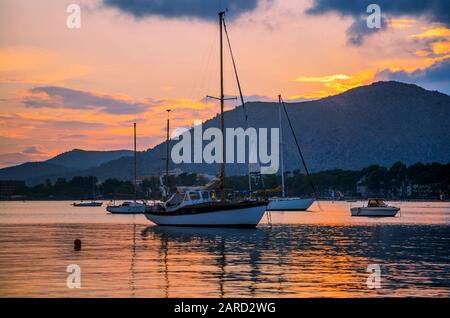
<point>200,208</point>
<point>284,203</point>
<point>129,207</point>
<point>87,204</point>
<point>197,208</point>
<point>91,203</point>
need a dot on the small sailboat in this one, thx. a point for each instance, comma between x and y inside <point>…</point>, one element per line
<point>375,208</point>
<point>130,207</point>
<point>284,203</point>
<point>200,207</point>
<point>127,207</point>
<point>89,204</point>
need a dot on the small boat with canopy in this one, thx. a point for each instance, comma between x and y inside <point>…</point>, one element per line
<point>375,208</point>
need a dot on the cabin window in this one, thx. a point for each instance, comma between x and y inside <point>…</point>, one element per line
<point>194,196</point>
<point>205,195</point>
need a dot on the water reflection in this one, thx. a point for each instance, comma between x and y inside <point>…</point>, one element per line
<point>303,260</point>
<point>216,243</point>
<point>317,254</point>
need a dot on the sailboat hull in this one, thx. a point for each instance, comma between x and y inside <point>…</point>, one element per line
<point>88,204</point>
<point>248,217</point>
<point>289,204</point>
<point>133,209</point>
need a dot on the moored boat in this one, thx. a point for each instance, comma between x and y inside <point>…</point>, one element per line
<point>289,204</point>
<point>375,208</point>
<point>87,204</point>
<point>200,208</point>
<point>127,208</point>
<point>285,203</point>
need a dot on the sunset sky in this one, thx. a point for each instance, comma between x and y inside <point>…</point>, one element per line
<point>64,88</point>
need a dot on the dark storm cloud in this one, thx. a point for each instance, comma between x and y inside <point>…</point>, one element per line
<point>359,30</point>
<point>198,9</point>
<point>432,10</point>
<point>60,97</point>
<point>437,75</point>
<point>32,150</point>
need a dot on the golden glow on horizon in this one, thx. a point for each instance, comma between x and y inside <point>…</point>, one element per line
<point>438,32</point>
<point>322,79</point>
<point>335,84</point>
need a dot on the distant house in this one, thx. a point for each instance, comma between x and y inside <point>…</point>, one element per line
<point>427,190</point>
<point>10,187</point>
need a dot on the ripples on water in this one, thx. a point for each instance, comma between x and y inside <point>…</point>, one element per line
<point>314,254</point>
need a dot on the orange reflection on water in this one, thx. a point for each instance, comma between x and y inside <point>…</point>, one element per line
<point>312,254</point>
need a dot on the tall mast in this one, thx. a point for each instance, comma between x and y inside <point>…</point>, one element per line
<point>222,121</point>
<point>311,183</point>
<point>283,192</point>
<point>135,164</point>
<point>167,149</point>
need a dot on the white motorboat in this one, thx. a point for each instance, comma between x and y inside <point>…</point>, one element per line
<point>127,208</point>
<point>289,204</point>
<point>375,208</point>
<point>199,208</point>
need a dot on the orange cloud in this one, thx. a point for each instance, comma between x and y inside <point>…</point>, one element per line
<point>59,128</point>
<point>431,33</point>
<point>441,47</point>
<point>322,79</point>
<point>36,66</point>
<point>334,84</point>
<point>422,53</point>
<point>400,23</point>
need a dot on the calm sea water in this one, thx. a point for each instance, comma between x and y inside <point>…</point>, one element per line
<point>322,253</point>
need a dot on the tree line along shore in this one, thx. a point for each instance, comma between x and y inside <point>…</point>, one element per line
<point>415,182</point>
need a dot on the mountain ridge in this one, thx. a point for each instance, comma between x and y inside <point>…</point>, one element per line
<point>380,123</point>
<point>66,163</point>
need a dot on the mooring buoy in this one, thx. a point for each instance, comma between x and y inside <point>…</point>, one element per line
<point>77,245</point>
